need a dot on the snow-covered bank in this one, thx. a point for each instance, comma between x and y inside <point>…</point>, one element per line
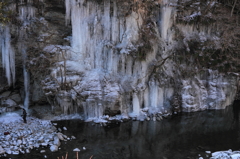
<point>18,137</point>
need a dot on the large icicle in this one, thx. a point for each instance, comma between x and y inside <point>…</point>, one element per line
<point>68,11</point>
<point>166,21</point>
<point>26,87</point>
<point>22,48</point>
<point>8,55</point>
<point>136,105</point>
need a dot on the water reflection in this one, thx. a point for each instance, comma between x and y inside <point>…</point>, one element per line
<point>236,111</point>
<point>179,137</point>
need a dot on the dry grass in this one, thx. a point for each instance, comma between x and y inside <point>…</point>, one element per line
<point>66,156</point>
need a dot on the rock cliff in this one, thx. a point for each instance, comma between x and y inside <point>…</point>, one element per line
<point>137,58</point>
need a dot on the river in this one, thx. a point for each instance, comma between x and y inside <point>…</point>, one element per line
<point>187,135</point>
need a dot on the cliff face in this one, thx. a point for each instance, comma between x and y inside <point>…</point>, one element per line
<point>137,58</point>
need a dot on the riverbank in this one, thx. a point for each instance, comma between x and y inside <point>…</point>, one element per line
<point>17,137</point>
<point>211,131</point>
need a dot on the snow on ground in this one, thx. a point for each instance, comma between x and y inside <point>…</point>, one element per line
<point>10,117</point>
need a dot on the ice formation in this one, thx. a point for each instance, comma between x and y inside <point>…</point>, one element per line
<point>102,46</point>
<point>123,60</point>
<point>8,54</point>
<point>26,14</point>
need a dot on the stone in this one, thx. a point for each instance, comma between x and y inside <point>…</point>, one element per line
<point>16,98</point>
<point>56,141</point>
<point>41,139</point>
<point>73,137</point>
<point>24,141</point>
<point>8,137</point>
<point>44,144</point>
<point>208,152</point>
<point>15,152</point>
<point>60,136</point>
<point>2,151</point>
<point>36,145</point>
<point>19,142</point>
<point>5,94</point>
<point>235,156</point>
<point>54,148</point>
<point>9,103</point>
<point>8,151</point>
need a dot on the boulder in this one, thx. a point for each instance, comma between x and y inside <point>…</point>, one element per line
<point>16,98</point>
<point>9,103</point>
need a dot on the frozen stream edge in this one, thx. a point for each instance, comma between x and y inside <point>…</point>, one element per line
<point>17,137</point>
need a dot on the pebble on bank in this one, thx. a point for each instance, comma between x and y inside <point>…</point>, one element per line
<point>18,137</point>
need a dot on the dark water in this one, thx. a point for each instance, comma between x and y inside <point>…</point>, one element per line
<point>178,137</point>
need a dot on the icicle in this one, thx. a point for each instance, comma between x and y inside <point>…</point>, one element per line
<point>26,87</point>
<point>153,93</point>
<point>12,64</point>
<point>26,12</point>
<point>8,55</point>
<point>26,76</point>
<point>68,11</point>
<point>136,105</point>
<point>166,21</point>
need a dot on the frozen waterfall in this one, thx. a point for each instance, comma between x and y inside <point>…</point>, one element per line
<point>121,58</point>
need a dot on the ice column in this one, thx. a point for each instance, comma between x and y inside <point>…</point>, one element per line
<point>153,93</point>
<point>8,55</point>
<point>136,105</point>
<point>26,87</point>
<point>165,20</point>
<point>22,48</point>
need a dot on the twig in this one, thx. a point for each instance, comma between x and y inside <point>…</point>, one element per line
<point>77,154</point>
<point>91,157</point>
<point>233,7</point>
<point>66,155</point>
